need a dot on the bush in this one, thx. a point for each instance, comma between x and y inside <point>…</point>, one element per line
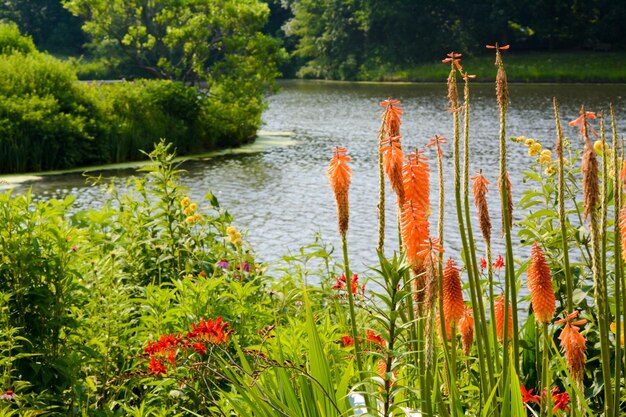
<point>11,41</point>
<point>48,120</point>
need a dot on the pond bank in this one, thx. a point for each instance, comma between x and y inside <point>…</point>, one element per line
<point>546,67</point>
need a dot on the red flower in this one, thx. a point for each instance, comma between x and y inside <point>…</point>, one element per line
<point>354,283</point>
<point>561,400</point>
<point>483,263</point>
<point>527,396</point>
<point>375,338</point>
<point>200,348</point>
<point>499,263</point>
<point>213,332</point>
<point>347,341</point>
<point>156,367</point>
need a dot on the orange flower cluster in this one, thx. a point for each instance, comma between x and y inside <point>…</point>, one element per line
<point>393,159</point>
<point>205,333</point>
<point>574,344</point>
<point>339,178</point>
<point>540,285</point>
<point>340,284</point>
<point>480,201</point>
<point>453,305</point>
<point>414,223</point>
<point>499,317</point>
<point>466,329</point>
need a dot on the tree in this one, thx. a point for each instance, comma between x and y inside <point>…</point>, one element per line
<point>185,40</point>
<point>331,36</point>
<point>51,26</point>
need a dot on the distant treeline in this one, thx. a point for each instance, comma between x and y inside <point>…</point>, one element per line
<point>341,39</point>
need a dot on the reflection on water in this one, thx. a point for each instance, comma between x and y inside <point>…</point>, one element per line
<point>279,191</point>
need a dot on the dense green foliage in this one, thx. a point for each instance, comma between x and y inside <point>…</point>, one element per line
<point>343,39</point>
<point>51,26</point>
<point>192,41</point>
<point>49,120</point>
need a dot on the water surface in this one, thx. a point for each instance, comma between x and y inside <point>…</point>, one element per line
<point>278,190</point>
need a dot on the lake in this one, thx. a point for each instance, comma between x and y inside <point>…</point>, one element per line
<point>277,188</point>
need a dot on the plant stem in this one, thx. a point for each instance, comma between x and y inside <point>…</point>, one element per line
<point>355,334</point>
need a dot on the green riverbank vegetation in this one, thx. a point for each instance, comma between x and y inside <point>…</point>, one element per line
<point>49,120</point>
<point>155,305</point>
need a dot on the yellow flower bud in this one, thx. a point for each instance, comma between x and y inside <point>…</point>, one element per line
<point>529,142</point>
<point>185,202</point>
<point>198,217</point>
<point>597,146</point>
<point>534,149</point>
<point>190,220</point>
<point>550,170</point>
<point>231,230</point>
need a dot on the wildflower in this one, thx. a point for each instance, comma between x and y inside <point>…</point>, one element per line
<point>499,263</point>
<point>346,341</point>
<point>455,59</point>
<point>614,330</point>
<point>393,160</point>
<point>453,305</point>
<point>198,217</point>
<point>375,338</point>
<point>381,369</point>
<point>589,167</point>
<point>453,96</point>
<point>8,395</point>
<point>540,285</point>
<point>222,264</point>
<point>213,332</point>
<point>190,209</point>
<point>341,283</point>
<point>416,180</point>
<point>231,230</point>
<point>237,241</point>
<point>561,400</point>
<point>529,142</point>
<point>480,201</point>
<point>466,329</point>
<point>574,344</point>
<point>502,89</point>
<point>391,115</point>
<point>190,220</point>
<point>534,149</point>
<point>437,141</point>
<point>156,367</point>
<point>243,266</point>
<point>339,178</point>
<point>545,158</point>
<point>185,202</point>
<point>527,396</point>
<point>499,316</point>
<point>550,170</point>
<point>483,263</point>
<point>415,232</point>
<point>200,348</point>
<point>582,120</point>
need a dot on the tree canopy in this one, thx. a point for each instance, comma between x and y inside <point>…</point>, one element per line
<point>186,40</point>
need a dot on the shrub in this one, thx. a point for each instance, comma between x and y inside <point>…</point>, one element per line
<point>12,41</point>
